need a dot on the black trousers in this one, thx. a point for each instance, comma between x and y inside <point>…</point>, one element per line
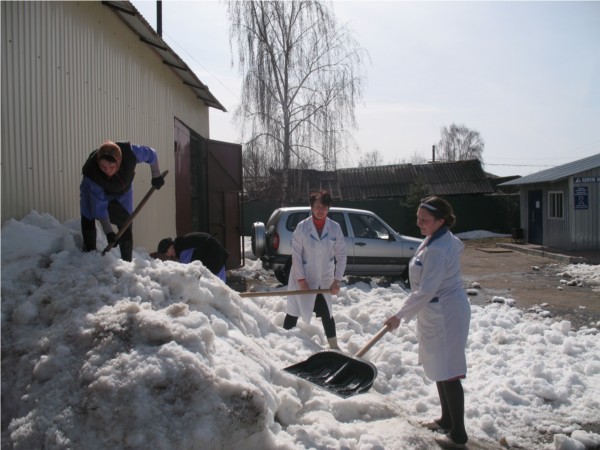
<point>322,311</point>
<point>452,401</point>
<point>117,215</point>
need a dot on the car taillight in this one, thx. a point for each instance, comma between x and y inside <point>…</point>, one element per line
<point>275,241</point>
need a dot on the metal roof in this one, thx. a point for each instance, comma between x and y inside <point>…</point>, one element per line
<point>559,172</point>
<point>448,178</point>
<point>132,17</point>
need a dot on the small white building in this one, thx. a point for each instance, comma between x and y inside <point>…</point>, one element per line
<point>77,73</point>
<point>560,207</point>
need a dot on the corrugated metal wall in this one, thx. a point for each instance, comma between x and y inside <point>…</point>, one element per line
<point>73,75</point>
<point>557,231</point>
<point>585,223</point>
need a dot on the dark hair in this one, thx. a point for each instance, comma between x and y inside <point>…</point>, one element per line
<point>440,209</point>
<point>164,245</point>
<point>323,196</point>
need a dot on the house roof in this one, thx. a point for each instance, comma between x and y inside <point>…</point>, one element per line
<point>559,172</point>
<point>134,20</point>
<point>448,178</point>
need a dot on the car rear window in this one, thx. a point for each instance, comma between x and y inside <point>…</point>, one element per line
<point>294,219</point>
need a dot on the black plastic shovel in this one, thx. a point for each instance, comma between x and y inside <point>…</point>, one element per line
<point>338,373</point>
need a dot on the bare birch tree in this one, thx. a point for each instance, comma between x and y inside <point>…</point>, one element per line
<point>459,143</point>
<point>302,77</point>
<point>371,159</point>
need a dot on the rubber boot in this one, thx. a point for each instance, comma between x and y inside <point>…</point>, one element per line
<point>455,397</point>
<point>445,421</point>
<point>126,248</point>
<point>88,232</point>
<point>333,343</point>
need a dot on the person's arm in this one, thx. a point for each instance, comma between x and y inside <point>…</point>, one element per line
<point>341,258</point>
<point>99,204</point>
<point>433,273</point>
<point>297,251</point>
<point>146,154</point>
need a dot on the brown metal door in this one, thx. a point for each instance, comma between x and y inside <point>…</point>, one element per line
<point>183,180</point>
<point>224,173</point>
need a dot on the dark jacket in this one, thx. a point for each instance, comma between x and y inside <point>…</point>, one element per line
<point>121,181</point>
<point>206,249</point>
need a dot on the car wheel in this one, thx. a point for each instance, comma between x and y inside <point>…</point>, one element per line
<point>283,275</point>
<point>259,239</point>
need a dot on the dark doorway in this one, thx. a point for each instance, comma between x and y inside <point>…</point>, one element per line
<point>535,216</point>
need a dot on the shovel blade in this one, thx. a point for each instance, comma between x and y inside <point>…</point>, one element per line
<point>336,372</point>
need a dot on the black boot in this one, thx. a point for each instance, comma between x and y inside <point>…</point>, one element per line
<point>126,248</point>
<point>88,232</point>
<point>455,398</point>
<point>445,421</point>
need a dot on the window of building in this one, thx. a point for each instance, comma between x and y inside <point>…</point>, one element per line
<point>555,205</point>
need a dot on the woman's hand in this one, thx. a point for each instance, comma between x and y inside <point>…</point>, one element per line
<point>392,322</point>
<point>303,285</point>
<point>335,287</point>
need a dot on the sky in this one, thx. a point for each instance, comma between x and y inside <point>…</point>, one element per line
<point>522,74</point>
<point>101,353</point>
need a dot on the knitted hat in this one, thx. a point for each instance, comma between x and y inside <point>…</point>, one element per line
<point>164,245</point>
<point>110,151</point>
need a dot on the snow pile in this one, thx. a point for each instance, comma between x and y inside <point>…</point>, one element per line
<point>101,353</point>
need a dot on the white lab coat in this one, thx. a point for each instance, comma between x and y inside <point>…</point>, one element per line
<point>442,325</point>
<point>318,260</point>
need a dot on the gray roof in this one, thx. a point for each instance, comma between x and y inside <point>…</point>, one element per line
<point>559,172</point>
<point>131,16</point>
<point>448,178</point>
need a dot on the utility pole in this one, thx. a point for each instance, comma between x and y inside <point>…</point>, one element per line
<point>159,17</point>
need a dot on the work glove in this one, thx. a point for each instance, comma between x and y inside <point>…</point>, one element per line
<point>158,182</point>
<point>111,237</point>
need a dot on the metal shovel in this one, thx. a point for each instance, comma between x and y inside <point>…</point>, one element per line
<point>338,373</point>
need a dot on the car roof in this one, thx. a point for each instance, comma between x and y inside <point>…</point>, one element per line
<point>332,209</point>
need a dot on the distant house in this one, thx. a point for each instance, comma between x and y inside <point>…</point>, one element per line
<point>391,181</point>
<point>77,73</point>
<point>560,207</point>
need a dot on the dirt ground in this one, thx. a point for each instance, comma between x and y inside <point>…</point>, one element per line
<point>532,281</point>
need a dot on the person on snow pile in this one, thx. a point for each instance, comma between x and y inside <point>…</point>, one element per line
<point>106,192</point>
<point>318,262</point>
<point>443,312</point>
<point>197,246</point>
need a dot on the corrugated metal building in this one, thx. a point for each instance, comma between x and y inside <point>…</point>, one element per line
<point>391,181</point>
<point>448,178</point>
<point>75,74</point>
<point>560,207</point>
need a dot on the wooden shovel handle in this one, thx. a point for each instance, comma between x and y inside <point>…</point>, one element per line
<point>372,342</point>
<point>132,216</point>
<point>284,293</point>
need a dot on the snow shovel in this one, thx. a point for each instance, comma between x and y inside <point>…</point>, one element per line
<point>131,217</point>
<point>284,293</point>
<point>338,373</point>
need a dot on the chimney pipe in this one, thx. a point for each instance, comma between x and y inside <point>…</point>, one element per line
<point>159,17</point>
<point>433,153</point>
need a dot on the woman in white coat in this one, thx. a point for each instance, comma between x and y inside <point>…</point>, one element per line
<point>443,312</point>
<point>318,262</point>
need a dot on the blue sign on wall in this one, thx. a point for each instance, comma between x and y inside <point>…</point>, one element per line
<point>581,197</point>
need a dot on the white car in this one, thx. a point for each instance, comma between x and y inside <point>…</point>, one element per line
<point>373,247</point>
